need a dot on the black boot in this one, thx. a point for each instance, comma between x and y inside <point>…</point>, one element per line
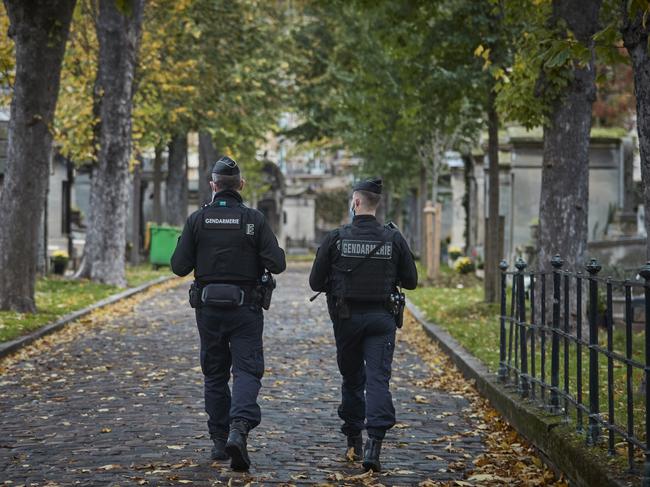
<point>219,449</point>
<point>236,446</point>
<point>355,447</point>
<point>371,455</point>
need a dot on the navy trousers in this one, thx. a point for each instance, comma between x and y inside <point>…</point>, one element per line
<point>231,338</point>
<point>365,343</point>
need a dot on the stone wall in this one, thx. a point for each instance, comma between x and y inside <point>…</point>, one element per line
<point>520,157</point>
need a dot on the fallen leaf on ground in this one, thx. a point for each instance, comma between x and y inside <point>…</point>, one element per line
<point>349,455</point>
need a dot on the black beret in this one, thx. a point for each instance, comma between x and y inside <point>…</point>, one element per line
<point>373,185</point>
<point>226,167</point>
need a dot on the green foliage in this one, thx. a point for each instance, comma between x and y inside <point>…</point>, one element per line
<point>394,81</point>
<point>464,314</point>
<point>124,6</point>
<point>546,54</point>
<point>7,59</point>
<point>191,75</point>
<point>332,206</point>
<point>454,253</point>
<point>60,256</point>
<point>541,68</point>
<point>75,120</point>
<point>464,265</point>
<point>242,70</point>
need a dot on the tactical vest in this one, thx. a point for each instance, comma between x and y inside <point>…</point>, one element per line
<point>375,278</point>
<point>227,244</point>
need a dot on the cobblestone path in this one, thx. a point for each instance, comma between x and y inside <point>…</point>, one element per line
<point>122,404</point>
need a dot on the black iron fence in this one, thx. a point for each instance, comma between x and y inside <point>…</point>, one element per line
<point>596,336</point>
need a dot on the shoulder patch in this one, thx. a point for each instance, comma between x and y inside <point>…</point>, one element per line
<point>222,219</point>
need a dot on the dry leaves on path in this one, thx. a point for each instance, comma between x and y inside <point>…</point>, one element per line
<point>74,329</point>
<point>509,459</point>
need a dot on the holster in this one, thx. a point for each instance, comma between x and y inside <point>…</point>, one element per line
<point>342,309</point>
<point>396,305</point>
<point>399,318</point>
<point>195,295</point>
<point>265,290</point>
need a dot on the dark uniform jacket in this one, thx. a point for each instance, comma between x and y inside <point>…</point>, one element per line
<point>364,228</point>
<point>226,241</point>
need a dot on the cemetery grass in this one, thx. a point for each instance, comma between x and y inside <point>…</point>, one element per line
<point>455,303</point>
<point>57,296</point>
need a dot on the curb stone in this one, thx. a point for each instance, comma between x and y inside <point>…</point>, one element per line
<point>550,435</point>
<point>16,344</point>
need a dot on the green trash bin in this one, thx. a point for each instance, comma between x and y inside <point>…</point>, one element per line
<point>162,245</point>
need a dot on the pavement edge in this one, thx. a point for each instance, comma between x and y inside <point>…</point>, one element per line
<point>548,434</point>
<point>12,346</point>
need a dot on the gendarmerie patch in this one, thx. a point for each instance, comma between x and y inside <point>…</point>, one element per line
<point>222,220</point>
<point>361,248</point>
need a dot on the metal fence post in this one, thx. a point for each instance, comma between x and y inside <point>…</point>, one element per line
<point>645,273</point>
<point>593,431</point>
<point>503,369</point>
<point>580,428</point>
<point>543,341</point>
<point>557,264</point>
<point>521,318</point>
<point>533,324</point>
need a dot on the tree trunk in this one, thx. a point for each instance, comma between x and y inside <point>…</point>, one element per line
<point>397,212</point>
<point>208,155</point>
<point>41,259</point>
<point>564,200</point>
<point>493,246</point>
<point>468,166</point>
<point>157,181</point>
<point>435,166</point>
<point>422,198</point>
<point>635,39</point>
<point>118,33</point>
<point>136,205</point>
<point>40,31</point>
<point>176,183</point>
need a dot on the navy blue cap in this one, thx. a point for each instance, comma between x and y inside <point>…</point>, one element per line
<point>373,185</point>
<point>225,167</point>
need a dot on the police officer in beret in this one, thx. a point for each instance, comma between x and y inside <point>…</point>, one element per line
<point>360,266</point>
<point>229,246</point>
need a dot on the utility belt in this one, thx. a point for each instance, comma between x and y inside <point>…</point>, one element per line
<point>223,295</point>
<point>229,295</point>
<point>394,303</point>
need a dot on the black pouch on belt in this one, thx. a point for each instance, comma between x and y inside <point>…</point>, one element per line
<point>222,296</point>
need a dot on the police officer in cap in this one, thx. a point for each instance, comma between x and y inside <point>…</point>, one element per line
<point>360,266</point>
<point>229,246</point>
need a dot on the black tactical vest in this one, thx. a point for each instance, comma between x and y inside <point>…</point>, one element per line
<point>376,277</point>
<point>226,246</point>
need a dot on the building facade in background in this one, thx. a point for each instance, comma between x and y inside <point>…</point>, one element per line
<point>614,208</point>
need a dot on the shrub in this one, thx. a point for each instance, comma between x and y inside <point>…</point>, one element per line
<point>454,252</point>
<point>464,265</point>
<point>60,256</point>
